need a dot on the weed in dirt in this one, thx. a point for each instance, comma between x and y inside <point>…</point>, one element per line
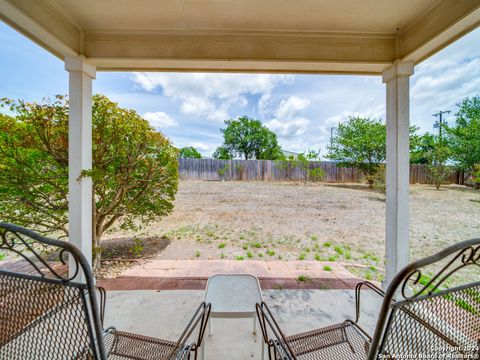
<point>333,258</point>
<point>260,255</point>
<point>348,256</point>
<point>277,287</point>
<point>245,247</point>
<point>339,250</point>
<point>221,245</point>
<point>222,256</point>
<point>314,237</point>
<point>240,257</point>
<point>280,257</point>
<point>317,257</point>
<point>257,245</point>
<point>249,254</point>
<point>197,253</point>
<point>327,268</point>
<point>137,248</point>
<point>303,278</point>
<point>270,252</point>
<point>2,256</point>
<point>301,256</point>
<point>327,244</point>
<point>307,250</point>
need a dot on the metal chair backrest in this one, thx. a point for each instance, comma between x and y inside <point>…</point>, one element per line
<point>44,313</point>
<point>427,320</point>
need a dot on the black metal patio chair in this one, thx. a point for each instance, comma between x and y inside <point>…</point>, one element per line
<point>419,318</point>
<point>46,314</point>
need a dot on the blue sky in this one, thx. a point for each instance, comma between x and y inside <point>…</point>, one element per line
<point>300,109</point>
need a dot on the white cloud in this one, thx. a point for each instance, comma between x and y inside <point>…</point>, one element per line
<point>201,146</point>
<point>292,107</point>
<point>209,96</point>
<point>160,120</point>
<point>289,128</point>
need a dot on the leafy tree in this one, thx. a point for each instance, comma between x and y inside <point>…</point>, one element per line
<point>437,167</point>
<point>464,137</point>
<point>189,152</point>
<point>303,162</point>
<point>360,143</point>
<point>421,149</point>
<point>249,139</point>
<point>135,170</point>
<point>222,153</point>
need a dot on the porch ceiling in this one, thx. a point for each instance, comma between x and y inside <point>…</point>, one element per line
<point>342,36</point>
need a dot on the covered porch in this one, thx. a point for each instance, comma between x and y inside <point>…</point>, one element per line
<point>378,38</point>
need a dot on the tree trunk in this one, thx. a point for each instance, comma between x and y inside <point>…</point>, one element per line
<point>97,252</point>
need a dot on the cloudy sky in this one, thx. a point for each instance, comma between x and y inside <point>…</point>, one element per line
<point>300,109</point>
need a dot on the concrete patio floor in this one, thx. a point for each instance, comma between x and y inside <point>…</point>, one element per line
<point>164,314</point>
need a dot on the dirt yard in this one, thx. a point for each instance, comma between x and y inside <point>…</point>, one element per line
<point>327,222</point>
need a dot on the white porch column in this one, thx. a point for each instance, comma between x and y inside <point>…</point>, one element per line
<point>80,154</point>
<point>396,78</point>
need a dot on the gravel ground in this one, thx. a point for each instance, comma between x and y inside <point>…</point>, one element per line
<point>336,222</point>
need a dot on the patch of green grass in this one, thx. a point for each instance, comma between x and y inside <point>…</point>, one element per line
<point>373,268</point>
<point>270,252</point>
<point>257,245</point>
<point>327,244</point>
<point>222,256</point>
<point>245,247</point>
<point>2,256</point>
<point>239,257</point>
<point>375,258</point>
<point>348,256</point>
<point>333,258</point>
<point>339,250</point>
<point>368,275</point>
<point>327,268</point>
<point>221,245</point>
<point>317,257</point>
<point>314,237</point>
<point>197,253</point>
<point>301,256</point>
<point>303,278</point>
<point>307,250</point>
<point>260,255</point>
<point>316,246</point>
<point>249,254</point>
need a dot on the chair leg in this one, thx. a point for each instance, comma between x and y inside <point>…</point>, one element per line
<point>210,331</point>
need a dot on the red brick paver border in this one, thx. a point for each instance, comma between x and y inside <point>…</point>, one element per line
<point>193,274</point>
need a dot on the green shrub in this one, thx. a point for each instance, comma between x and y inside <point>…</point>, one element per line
<point>327,244</point>
<point>301,256</point>
<point>197,253</point>
<point>271,252</point>
<point>303,278</point>
<point>221,245</point>
<point>249,254</point>
<point>240,257</point>
<point>327,268</point>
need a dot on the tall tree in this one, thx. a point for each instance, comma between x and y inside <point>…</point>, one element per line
<point>135,168</point>
<point>189,152</point>
<point>249,139</point>
<point>464,137</point>
<point>359,143</point>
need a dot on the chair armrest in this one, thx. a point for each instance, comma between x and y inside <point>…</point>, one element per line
<point>199,319</point>
<point>358,289</point>
<point>279,342</point>
<point>103,299</point>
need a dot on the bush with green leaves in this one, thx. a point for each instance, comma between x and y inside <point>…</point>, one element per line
<point>134,174</point>
<point>305,163</point>
<point>189,152</point>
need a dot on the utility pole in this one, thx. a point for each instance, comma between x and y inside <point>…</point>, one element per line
<point>439,124</point>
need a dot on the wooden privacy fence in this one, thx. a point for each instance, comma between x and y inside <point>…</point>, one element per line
<point>268,170</point>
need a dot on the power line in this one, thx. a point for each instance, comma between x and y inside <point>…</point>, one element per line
<point>439,124</point>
